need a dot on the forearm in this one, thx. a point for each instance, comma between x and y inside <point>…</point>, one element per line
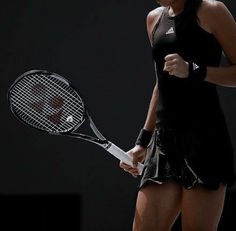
<point>223,76</point>
<point>151,115</point>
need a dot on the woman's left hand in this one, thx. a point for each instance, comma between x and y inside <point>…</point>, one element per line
<point>176,65</point>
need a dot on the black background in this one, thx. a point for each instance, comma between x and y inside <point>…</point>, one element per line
<point>103,49</point>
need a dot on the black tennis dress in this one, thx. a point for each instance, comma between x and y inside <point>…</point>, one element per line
<point>191,143</point>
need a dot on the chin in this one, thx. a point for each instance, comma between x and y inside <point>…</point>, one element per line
<point>164,2</point>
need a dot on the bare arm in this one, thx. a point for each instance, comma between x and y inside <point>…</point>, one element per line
<point>138,152</point>
<point>223,27</point>
<point>150,122</point>
<point>151,115</point>
<point>216,19</point>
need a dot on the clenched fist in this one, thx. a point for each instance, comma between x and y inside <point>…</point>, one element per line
<point>176,65</point>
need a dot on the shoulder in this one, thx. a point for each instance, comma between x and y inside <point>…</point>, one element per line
<point>154,15</point>
<point>222,25</point>
<point>213,14</point>
<point>213,7</point>
<point>152,18</point>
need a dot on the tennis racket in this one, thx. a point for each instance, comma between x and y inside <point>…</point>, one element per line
<point>47,101</point>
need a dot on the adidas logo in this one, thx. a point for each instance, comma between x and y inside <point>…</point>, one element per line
<point>170,31</point>
<point>195,66</point>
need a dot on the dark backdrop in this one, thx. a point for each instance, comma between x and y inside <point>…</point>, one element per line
<point>103,49</point>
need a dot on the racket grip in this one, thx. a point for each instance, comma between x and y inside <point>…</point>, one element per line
<point>123,156</point>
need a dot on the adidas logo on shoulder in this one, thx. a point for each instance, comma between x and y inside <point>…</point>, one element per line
<point>170,31</point>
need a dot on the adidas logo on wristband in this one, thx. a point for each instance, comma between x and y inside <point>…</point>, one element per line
<point>195,66</point>
<point>197,72</point>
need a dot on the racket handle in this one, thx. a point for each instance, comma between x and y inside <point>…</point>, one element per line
<point>123,156</point>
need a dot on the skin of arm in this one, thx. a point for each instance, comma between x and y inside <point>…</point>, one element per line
<point>151,115</point>
<point>150,122</point>
<point>224,29</point>
<point>216,19</point>
<point>138,152</point>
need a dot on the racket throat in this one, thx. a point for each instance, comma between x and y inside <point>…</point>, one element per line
<point>95,130</point>
<point>103,143</point>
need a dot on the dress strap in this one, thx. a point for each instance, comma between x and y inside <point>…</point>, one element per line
<point>158,22</point>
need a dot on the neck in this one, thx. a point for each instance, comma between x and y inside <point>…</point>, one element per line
<point>176,7</point>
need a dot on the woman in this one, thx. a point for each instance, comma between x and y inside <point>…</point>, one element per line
<point>189,163</point>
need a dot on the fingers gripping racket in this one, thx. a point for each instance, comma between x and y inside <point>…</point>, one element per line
<point>47,102</point>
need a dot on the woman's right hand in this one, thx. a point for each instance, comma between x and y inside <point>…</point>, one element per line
<point>138,155</point>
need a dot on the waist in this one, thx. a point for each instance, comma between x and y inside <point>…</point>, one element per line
<point>189,119</point>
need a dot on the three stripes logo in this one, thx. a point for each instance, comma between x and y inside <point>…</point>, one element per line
<point>195,66</point>
<point>170,31</point>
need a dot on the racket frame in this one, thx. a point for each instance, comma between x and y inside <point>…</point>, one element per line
<point>100,140</point>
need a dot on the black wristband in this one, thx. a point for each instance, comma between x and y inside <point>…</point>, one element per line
<point>144,138</point>
<point>197,72</point>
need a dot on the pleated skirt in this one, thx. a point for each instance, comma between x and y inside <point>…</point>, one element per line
<point>203,155</point>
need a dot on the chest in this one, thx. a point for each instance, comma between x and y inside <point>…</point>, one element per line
<point>189,40</point>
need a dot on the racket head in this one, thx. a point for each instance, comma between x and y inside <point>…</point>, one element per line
<point>46,101</point>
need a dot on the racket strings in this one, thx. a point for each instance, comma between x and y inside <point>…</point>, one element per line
<point>32,118</point>
<point>27,114</point>
<point>64,89</point>
<point>53,92</point>
<point>33,100</point>
<point>30,109</point>
<point>67,93</point>
<point>42,98</point>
